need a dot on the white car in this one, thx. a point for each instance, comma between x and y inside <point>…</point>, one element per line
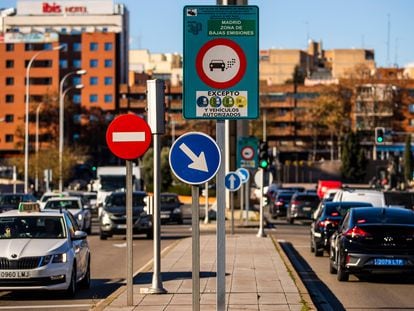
<point>74,205</point>
<point>42,250</point>
<point>47,195</point>
<point>376,198</point>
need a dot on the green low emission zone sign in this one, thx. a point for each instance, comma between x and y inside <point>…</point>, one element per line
<point>221,59</point>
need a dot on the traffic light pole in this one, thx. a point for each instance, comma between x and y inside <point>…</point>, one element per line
<point>261,233</point>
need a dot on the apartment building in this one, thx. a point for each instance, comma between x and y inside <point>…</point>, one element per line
<point>57,39</point>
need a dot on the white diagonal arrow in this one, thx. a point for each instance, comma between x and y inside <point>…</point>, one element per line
<point>199,162</point>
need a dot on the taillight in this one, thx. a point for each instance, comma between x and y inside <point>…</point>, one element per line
<point>356,232</point>
<point>295,202</point>
<point>278,203</point>
<point>324,223</point>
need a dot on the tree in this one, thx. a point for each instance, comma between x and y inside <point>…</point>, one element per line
<point>353,158</point>
<point>148,170</point>
<point>408,160</point>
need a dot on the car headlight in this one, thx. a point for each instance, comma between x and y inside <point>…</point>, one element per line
<point>56,258</point>
<point>105,217</point>
<point>80,216</point>
<point>176,210</point>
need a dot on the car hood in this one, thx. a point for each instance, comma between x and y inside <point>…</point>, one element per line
<point>31,247</point>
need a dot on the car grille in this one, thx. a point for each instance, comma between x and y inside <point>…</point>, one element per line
<point>22,263</point>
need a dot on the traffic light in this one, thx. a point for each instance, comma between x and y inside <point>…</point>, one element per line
<point>263,155</point>
<point>379,135</point>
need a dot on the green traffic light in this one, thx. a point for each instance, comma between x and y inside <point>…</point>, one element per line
<point>263,164</point>
<point>380,139</point>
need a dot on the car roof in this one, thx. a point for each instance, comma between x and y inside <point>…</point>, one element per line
<point>14,213</point>
<point>67,198</point>
<point>347,203</point>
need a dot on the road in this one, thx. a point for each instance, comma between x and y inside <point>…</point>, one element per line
<point>376,293</point>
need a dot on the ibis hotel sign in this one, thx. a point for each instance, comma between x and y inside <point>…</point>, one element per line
<point>65,7</point>
<point>221,51</point>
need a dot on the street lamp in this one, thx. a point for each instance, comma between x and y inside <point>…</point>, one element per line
<point>26,131</point>
<point>61,117</point>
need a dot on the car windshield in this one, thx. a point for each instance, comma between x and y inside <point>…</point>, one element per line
<point>62,204</point>
<point>169,199</point>
<point>34,227</point>
<point>119,200</point>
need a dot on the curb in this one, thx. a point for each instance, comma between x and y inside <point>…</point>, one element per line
<point>303,292</point>
<point>102,304</point>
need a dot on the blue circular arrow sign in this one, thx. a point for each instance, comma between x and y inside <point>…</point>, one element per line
<point>244,174</point>
<point>232,181</point>
<point>195,158</point>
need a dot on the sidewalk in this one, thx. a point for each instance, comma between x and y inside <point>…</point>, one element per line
<point>256,278</point>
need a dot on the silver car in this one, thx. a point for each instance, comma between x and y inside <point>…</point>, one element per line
<point>74,205</point>
<point>42,250</point>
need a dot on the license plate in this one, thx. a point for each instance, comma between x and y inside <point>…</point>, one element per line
<point>307,209</point>
<point>163,216</point>
<point>121,226</point>
<point>14,274</point>
<point>389,262</point>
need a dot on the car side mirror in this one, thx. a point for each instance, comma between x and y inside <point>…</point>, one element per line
<point>79,235</point>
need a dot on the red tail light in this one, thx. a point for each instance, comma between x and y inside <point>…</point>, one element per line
<point>295,202</point>
<point>356,232</point>
<point>324,223</point>
<point>278,203</point>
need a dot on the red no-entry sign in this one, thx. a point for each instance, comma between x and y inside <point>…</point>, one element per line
<point>128,136</point>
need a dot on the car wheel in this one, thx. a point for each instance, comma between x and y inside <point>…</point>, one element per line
<point>89,230</point>
<point>102,236</point>
<point>332,269</point>
<point>70,292</point>
<point>290,221</point>
<point>86,281</point>
<point>180,221</point>
<point>318,252</point>
<point>342,275</point>
<point>150,234</point>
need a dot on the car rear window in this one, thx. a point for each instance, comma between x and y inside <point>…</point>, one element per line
<point>308,198</point>
<point>384,216</point>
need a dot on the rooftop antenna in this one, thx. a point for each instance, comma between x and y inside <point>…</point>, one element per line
<point>396,53</point>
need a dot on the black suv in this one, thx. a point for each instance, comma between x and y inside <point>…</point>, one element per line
<point>278,207</point>
<point>170,207</point>
<point>113,217</point>
<point>301,206</point>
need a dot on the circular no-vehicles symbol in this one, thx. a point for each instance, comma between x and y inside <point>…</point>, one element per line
<point>221,63</point>
<point>247,153</point>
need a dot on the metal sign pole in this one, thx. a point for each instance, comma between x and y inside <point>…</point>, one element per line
<point>241,194</point>
<point>196,248</point>
<point>157,287</point>
<point>206,220</point>
<point>221,222</point>
<point>232,211</point>
<point>247,194</point>
<point>261,232</point>
<point>129,279</point>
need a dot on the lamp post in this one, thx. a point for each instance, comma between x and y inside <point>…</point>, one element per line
<point>61,118</point>
<point>26,130</point>
<point>37,149</point>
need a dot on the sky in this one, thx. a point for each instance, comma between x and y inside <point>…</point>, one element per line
<point>382,25</point>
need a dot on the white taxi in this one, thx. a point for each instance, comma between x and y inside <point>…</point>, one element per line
<point>42,250</point>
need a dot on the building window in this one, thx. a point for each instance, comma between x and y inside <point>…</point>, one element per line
<point>108,63</point>
<point>48,46</point>
<point>93,98</point>
<point>9,118</point>
<point>93,80</point>
<point>105,29</point>
<point>63,30</point>
<point>9,47</point>
<point>93,46</point>
<point>77,63</point>
<point>411,108</point>
<point>9,98</point>
<point>9,63</point>
<point>76,99</point>
<point>108,46</point>
<point>9,138</point>
<point>77,47</point>
<point>108,81</point>
<point>76,80</point>
<point>63,63</point>
<point>93,63</point>
<point>9,81</point>
<point>108,98</point>
<point>411,122</point>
